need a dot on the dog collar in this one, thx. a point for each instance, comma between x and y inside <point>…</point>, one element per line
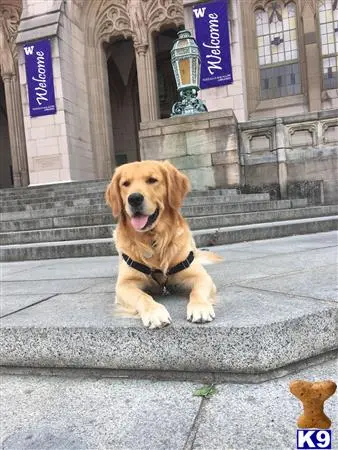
<point>148,271</point>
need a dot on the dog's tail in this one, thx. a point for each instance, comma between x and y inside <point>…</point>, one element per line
<point>206,257</point>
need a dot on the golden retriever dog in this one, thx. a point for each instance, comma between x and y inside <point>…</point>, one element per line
<point>155,244</point>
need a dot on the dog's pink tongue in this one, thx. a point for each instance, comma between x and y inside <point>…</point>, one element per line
<point>138,222</point>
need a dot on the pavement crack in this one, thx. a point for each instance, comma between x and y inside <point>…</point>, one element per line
<point>28,306</point>
<point>189,444</point>
<point>307,297</point>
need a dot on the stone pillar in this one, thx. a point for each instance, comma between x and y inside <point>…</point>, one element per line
<point>9,21</point>
<point>16,131</point>
<point>312,55</point>
<point>147,83</point>
<point>281,158</point>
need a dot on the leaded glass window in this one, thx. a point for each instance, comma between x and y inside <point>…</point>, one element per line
<point>276,28</point>
<point>328,23</point>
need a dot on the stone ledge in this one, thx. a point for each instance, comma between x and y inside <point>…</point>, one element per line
<point>223,113</point>
<point>255,331</point>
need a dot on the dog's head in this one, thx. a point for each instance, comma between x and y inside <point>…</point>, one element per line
<point>143,191</point>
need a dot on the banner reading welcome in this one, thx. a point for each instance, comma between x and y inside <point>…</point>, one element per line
<point>212,37</point>
<point>40,83</point>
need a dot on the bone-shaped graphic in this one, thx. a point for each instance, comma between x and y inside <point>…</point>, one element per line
<point>313,396</point>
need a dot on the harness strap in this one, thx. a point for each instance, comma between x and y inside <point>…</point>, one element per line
<point>148,271</point>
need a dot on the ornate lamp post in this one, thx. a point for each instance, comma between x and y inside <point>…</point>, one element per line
<point>186,62</point>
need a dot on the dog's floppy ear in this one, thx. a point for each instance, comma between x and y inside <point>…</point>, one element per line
<point>178,185</point>
<point>113,196</point>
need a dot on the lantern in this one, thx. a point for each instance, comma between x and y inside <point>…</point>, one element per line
<point>186,62</point>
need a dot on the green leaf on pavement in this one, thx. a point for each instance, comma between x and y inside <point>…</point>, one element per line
<point>205,391</point>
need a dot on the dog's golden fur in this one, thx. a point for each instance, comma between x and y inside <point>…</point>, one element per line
<point>164,244</point>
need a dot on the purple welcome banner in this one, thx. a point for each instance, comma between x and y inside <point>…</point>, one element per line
<point>39,71</point>
<point>212,37</point>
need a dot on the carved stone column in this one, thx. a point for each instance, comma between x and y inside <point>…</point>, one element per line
<point>16,131</point>
<point>281,158</point>
<point>9,21</point>
<point>147,83</point>
<point>312,54</point>
<point>147,17</point>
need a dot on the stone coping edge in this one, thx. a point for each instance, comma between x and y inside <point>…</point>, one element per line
<point>203,377</point>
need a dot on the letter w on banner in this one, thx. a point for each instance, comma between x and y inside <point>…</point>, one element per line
<point>212,37</point>
<point>40,83</point>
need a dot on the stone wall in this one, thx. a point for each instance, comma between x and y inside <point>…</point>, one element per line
<point>58,145</point>
<point>204,146</point>
<point>296,154</point>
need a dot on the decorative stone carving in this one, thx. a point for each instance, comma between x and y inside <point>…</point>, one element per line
<point>9,22</point>
<point>329,131</point>
<point>259,140</point>
<point>112,20</point>
<point>303,134</point>
<point>163,12</point>
<point>312,4</point>
<point>138,23</point>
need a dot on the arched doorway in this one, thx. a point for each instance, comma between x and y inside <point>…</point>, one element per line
<point>6,170</point>
<point>124,101</point>
<point>167,90</point>
<point>103,22</point>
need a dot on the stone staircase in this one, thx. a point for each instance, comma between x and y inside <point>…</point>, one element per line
<point>72,220</point>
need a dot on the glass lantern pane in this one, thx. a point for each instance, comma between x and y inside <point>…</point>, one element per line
<point>184,69</point>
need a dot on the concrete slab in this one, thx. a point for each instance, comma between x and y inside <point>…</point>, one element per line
<point>62,413</point>
<point>258,417</point>
<point>7,269</point>
<point>12,303</point>
<point>254,332</point>
<point>281,298</point>
<point>49,286</point>
<point>321,283</point>
<point>284,244</point>
<point>77,268</point>
<point>269,266</point>
<point>76,414</point>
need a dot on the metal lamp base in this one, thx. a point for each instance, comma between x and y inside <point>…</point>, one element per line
<point>189,104</point>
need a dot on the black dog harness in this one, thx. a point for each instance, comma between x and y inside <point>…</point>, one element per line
<point>152,272</point>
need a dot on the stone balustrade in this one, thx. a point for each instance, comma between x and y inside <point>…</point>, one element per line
<point>294,155</point>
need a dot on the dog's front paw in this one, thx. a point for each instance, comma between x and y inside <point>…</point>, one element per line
<point>156,317</point>
<point>200,312</point>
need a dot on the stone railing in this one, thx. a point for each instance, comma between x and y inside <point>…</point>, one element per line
<point>291,156</point>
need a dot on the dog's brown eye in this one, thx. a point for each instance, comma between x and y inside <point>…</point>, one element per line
<point>151,180</point>
<point>126,183</point>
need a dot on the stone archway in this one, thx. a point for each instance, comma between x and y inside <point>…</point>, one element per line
<point>10,12</point>
<point>104,21</point>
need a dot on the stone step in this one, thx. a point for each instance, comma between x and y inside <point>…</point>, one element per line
<point>85,201</point>
<point>92,187</point>
<point>196,223</point>
<point>94,217</point>
<point>215,236</point>
<point>88,206</point>
<point>53,187</point>
<point>255,332</point>
<point>94,196</point>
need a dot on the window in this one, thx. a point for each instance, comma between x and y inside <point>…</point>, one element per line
<point>276,29</point>
<point>328,23</point>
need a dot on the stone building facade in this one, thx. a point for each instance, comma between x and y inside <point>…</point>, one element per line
<point>113,78</point>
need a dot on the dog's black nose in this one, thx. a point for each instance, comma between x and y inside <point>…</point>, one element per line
<point>135,199</point>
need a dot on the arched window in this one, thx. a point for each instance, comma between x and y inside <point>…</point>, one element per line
<point>276,29</point>
<point>328,23</point>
